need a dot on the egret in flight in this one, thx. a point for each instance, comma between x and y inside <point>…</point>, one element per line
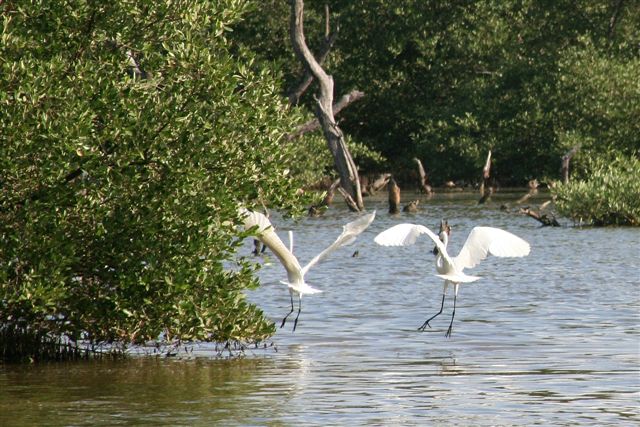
<point>481,242</point>
<point>295,273</point>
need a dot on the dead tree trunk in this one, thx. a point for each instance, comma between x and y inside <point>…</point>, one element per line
<point>566,159</point>
<point>485,187</point>
<point>424,180</point>
<point>394,196</point>
<point>329,39</point>
<point>313,124</point>
<point>343,162</point>
<point>378,183</point>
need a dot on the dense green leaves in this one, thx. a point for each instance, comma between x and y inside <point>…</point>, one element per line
<point>607,193</point>
<point>129,135</point>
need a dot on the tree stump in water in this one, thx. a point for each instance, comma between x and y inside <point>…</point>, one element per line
<point>394,196</point>
<point>411,207</point>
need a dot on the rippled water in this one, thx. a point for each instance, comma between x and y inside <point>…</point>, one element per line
<point>551,339</point>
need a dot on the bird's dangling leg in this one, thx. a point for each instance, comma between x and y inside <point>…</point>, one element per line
<point>426,323</point>
<point>285,317</point>
<point>295,323</point>
<point>455,296</point>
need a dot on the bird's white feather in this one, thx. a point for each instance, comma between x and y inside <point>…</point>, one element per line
<point>402,235</point>
<point>270,239</point>
<point>295,274</point>
<point>349,233</point>
<point>484,241</point>
<point>407,234</point>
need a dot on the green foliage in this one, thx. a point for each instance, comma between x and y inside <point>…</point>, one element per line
<point>447,81</point>
<point>598,99</point>
<point>119,192</point>
<point>608,193</point>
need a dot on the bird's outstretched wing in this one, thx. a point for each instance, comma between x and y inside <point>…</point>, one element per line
<point>349,233</point>
<point>407,234</point>
<point>404,235</point>
<point>269,238</point>
<point>485,241</point>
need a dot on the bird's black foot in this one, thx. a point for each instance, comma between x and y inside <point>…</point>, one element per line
<point>424,326</point>
<point>448,334</point>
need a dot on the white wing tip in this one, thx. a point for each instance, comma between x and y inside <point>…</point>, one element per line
<point>382,241</point>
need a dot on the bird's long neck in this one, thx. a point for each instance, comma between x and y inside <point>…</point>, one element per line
<point>440,264</point>
<point>291,241</point>
<point>444,237</point>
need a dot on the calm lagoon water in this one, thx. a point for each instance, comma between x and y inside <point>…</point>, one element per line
<point>551,339</point>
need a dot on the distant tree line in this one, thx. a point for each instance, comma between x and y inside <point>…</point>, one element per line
<point>448,81</point>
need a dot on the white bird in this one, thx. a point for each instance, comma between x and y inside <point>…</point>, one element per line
<point>295,273</point>
<point>481,242</point>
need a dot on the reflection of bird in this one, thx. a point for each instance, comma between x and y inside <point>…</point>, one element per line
<point>481,242</point>
<point>295,274</point>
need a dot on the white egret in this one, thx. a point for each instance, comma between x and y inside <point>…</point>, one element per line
<point>295,273</point>
<point>481,242</point>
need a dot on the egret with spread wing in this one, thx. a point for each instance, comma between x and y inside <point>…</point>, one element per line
<point>481,242</point>
<point>295,273</point>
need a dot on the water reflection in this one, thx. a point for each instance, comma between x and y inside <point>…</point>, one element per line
<point>551,340</point>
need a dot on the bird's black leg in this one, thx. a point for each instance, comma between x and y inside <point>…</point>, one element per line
<point>448,334</point>
<point>425,324</point>
<point>285,317</point>
<point>295,323</point>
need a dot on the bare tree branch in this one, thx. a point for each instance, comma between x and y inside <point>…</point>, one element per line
<point>485,187</point>
<point>566,159</point>
<point>424,180</point>
<point>307,79</point>
<point>343,162</point>
<point>314,124</point>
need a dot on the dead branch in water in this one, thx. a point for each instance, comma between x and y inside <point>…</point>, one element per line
<point>371,187</point>
<point>394,196</point>
<point>485,187</point>
<point>424,180</point>
<point>544,219</point>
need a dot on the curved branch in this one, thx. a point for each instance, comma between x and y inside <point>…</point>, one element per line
<point>304,54</point>
<point>314,124</point>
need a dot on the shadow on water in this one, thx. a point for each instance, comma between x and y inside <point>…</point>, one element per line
<point>551,339</point>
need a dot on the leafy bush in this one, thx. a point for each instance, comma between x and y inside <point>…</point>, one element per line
<point>129,134</point>
<point>608,195</point>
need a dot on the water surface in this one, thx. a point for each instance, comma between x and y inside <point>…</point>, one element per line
<point>551,339</point>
